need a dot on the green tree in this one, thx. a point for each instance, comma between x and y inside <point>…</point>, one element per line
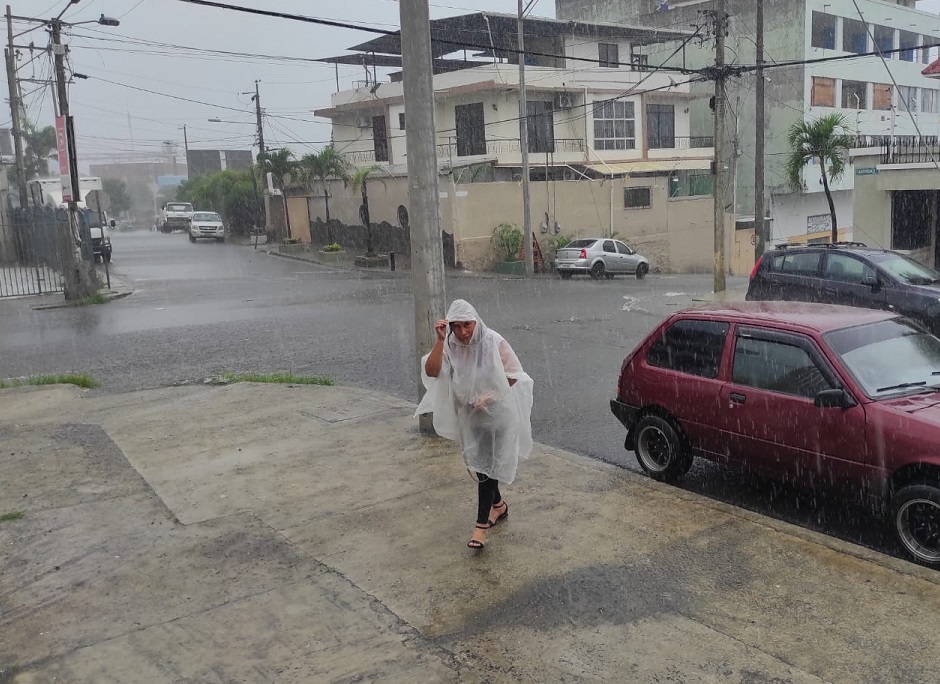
<point>278,163</point>
<point>360,181</point>
<point>826,142</point>
<point>117,192</point>
<point>320,167</point>
<point>39,147</point>
<point>231,193</point>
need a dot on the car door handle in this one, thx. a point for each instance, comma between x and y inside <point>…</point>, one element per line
<point>737,398</point>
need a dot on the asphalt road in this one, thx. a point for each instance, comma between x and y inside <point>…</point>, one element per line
<point>198,310</point>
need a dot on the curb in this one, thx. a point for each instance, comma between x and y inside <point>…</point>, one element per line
<point>109,296</point>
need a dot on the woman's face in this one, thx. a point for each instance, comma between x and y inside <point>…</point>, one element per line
<point>463,330</point>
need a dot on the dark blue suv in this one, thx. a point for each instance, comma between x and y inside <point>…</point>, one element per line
<point>852,274</point>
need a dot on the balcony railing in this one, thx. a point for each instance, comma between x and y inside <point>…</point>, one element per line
<point>910,150</point>
<point>673,142</point>
<point>496,148</point>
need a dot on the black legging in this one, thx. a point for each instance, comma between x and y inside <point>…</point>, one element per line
<point>489,496</point>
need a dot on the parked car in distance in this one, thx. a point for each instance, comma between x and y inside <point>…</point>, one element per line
<point>851,274</point>
<point>176,216</point>
<point>829,395</point>
<point>206,224</point>
<point>600,258</point>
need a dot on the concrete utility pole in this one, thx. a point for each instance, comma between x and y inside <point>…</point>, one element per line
<point>761,234</point>
<point>15,114</point>
<point>720,145</point>
<point>427,251</point>
<point>257,99</point>
<point>186,145</point>
<point>79,276</point>
<point>524,147</point>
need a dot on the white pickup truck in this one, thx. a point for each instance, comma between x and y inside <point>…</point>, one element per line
<point>176,216</point>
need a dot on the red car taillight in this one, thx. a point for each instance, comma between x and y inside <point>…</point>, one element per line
<point>756,266</point>
<point>583,254</point>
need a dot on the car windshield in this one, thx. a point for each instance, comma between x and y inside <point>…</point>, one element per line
<point>580,244</point>
<point>179,207</point>
<point>908,271</point>
<point>889,358</point>
<point>206,216</point>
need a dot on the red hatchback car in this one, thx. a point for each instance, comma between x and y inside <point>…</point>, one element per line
<point>825,394</point>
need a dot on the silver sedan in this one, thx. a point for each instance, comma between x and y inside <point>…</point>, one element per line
<point>600,258</point>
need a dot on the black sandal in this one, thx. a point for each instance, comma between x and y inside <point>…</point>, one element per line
<point>501,516</point>
<point>475,544</point>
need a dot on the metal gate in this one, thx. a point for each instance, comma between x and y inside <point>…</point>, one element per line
<point>38,267</point>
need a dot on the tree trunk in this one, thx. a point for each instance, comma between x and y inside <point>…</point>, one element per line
<point>366,219</point>
<point>329,229</point>
<point>834,237</point>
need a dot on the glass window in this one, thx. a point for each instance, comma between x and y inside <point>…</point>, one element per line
<point>614,125</point>
<point>379,138</point>
<point>623,249</point>
<point>636,198</point>
<point>854,95</point>
<point>777,367</point>
<point>854,36</point>
<point>824,31</point>
<point>541,126</point>
<point>926,42</point>
<point>401,121</point>
<point>847,269</point>
<point>881,99</point>
<point>824,92</point>
<point>690,346</point>
<point>609,247</point>
<point>583,243</point>
<point>661,126</point>
<point>907,98</point>
<point>929,101</point>
<point>907,42</point>
<point>608,55</point>
<point>804,263</point>
<point>908,271</point>
<point>884,39</point>
<point>883,356</point>
<point>471,133</point>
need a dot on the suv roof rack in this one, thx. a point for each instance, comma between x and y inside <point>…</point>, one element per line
<point>822,245</point>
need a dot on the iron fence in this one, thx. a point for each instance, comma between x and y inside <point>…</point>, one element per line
<point>910,150</point>
<point>37,245</point>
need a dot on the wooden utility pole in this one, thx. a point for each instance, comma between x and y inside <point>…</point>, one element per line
<point>761,234</point>
<point>15,114</point>
<point>524,147</point>
<point>427,252</point>
<point>721,155</point>
<point>79,275</point>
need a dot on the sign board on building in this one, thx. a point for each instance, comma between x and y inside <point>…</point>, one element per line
<point>62,142</point>
<point>818,223</point>
<point>867,172</point>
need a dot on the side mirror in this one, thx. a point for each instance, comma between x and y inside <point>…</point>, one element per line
<point>113,223</point>
<point>872,282</point>
<point>833,398</point>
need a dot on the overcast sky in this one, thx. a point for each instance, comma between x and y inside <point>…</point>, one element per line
<point>115,121</point>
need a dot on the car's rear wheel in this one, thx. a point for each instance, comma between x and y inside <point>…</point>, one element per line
<point>597,270</point>
<point>642,270</point>
<point>916,520</point>
<point>565,275</point>
<point>660,450</point>
<point>107,257</point>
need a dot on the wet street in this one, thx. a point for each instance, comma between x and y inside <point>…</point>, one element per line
<point>198,310</point>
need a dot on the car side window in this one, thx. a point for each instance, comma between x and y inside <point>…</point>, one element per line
<point>690,346</point>
<point>846,269</point>
<point>801,263</point>
<point>623,249</point>
<point>777,367</point>
<point>609,246</point>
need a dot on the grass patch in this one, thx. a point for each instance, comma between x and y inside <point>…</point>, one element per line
<point>97,298</point>
<point>9,517</point>
<point>277,378</point>
<point>78,379</point>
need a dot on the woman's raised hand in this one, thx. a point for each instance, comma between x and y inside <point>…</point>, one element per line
<point>441,329</point>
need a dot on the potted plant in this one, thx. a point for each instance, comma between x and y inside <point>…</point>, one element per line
<point>332,253</point>
<point>507,240</point>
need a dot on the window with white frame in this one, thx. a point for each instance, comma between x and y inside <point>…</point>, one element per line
<point>614,125</point>
<point>907,98</point>
<point>930,101</point>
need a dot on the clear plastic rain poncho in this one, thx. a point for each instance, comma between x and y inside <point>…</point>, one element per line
<point>473,403</point>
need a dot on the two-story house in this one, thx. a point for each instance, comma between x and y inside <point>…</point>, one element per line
<point>610,145</point>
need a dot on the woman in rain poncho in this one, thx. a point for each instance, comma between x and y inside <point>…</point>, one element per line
<point>482,399</point>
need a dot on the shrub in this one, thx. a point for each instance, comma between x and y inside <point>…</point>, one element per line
<point>507,239</point>
<point>559,241</point>
<point>335,247</point>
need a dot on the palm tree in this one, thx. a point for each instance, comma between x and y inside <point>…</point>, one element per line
<point>39,147</point>
<point>320,167</point>
<point>826,142</point>
<point>359,181</point>
<point>278,163</point>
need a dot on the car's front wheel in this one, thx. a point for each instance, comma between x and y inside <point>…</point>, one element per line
<point>642,270</point>
<point>916,520</point>
<point>661,451</point>
<point>191,238</point>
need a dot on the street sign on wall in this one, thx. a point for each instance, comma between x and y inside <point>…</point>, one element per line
<point>62,142</point>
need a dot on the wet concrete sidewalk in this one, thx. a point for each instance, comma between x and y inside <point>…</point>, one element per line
<point>263,533</point>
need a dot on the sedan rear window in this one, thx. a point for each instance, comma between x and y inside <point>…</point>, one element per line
<point>690,346</point>
<point>580,244</point>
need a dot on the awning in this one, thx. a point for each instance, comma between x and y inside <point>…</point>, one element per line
<point>664,166</point>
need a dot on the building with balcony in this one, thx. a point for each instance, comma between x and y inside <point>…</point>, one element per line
<point>876,98</point>
<point>606,132</point>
